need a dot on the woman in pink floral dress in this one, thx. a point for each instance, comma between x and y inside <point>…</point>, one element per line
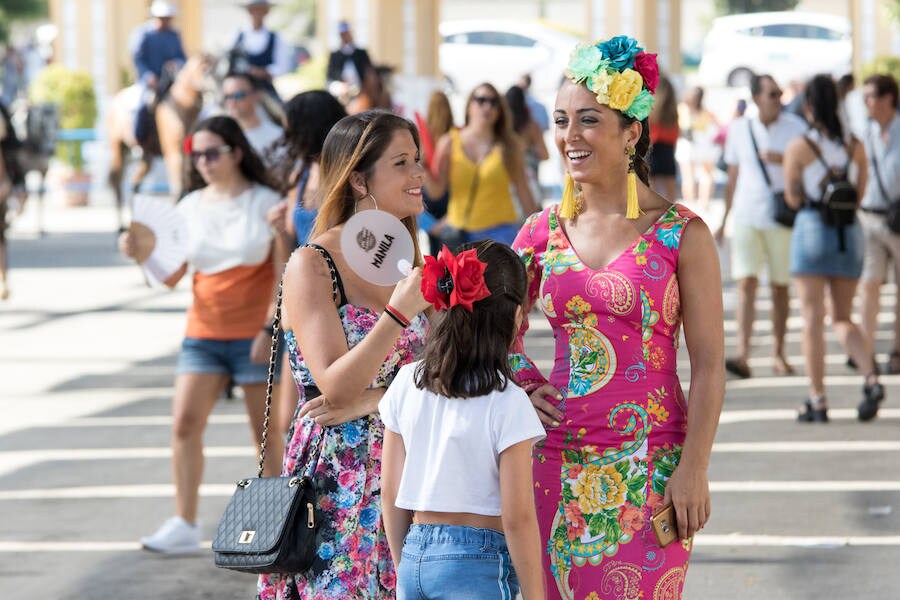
<point>618,271</point>
<point>345,349</point>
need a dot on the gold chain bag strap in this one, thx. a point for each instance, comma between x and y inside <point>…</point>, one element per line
<point>269,526</point>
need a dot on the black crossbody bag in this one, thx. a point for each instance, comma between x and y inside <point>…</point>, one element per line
<point>269,526</point>
<point>782,213</point>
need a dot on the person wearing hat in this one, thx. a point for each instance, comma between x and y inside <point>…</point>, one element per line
<point>259,51</point>
<point>348,64</point>
<point>156,49</point>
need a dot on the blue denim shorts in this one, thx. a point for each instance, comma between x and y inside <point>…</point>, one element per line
<point>225,357</point>
<point>816,248</point>
<point>455,562</point>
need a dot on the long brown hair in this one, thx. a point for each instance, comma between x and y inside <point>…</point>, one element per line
<point>665,107</point>
<point>439,116</point>
<point>510,144</point>
<point>466,353</point>
<point>251,166</point>
<point>355,144</point>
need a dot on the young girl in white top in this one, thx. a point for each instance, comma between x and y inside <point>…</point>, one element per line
<point>456,466</point>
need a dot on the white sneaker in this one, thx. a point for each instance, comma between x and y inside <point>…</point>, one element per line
<point>175,536</point>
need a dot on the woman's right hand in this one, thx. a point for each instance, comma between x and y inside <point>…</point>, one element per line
<point>277,217</point>
<point>127,245</point>
<point>546,410</point>
<point>407,297</point>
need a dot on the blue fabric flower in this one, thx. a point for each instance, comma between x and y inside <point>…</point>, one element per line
<point>325,551</point>
<point>352,435</point>
<point>368,517</point>
<point>620,51</point>
<point>345,500</point>
<point>669,237</point>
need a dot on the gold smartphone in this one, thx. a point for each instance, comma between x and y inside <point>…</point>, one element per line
<point>664,526</point>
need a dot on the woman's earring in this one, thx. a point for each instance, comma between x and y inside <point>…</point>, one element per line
<point>356,205</point>
<point>572,204</point>
<point>632,208</point>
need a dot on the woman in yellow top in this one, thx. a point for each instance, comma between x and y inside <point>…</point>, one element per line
<point>479,163</point>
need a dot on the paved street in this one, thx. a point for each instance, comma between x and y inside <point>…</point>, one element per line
<point>87,356</point>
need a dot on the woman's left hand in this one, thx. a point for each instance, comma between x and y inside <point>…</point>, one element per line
<point>688,491</point>
<point>324,413</point>
<point>261,348</point>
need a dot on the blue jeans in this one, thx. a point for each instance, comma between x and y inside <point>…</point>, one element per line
<point>452,562</point>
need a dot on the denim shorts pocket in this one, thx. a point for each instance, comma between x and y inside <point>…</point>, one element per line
<point>478,557</point>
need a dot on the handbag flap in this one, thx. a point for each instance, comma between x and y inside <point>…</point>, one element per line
<point>258,514</point>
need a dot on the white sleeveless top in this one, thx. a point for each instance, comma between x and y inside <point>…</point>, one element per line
<point>835,154</point>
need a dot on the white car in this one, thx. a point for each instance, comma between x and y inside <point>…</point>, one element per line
<point>790,46</point>
<point>500,52</point>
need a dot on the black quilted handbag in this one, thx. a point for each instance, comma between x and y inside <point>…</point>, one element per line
<point>270,523</point>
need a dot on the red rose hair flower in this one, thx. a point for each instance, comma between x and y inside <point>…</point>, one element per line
<point>645,64</point>
<point>449,280</point>
<point>188,144</point>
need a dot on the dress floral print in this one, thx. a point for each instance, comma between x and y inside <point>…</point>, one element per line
<point>602,473</point>
<point>352,557</point>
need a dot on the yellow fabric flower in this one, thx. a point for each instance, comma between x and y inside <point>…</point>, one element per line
<point>592,596</point>
<point>577,305</point>
<point>624,89</point>
<point>599,84</point>
<point>598,488</point>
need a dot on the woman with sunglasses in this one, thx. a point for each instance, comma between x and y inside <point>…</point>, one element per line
<point>236,260</point>
<point>478,163</point>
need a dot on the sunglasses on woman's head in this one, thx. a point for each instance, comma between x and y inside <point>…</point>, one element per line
<point>487,100</point>
<point>210,154</point>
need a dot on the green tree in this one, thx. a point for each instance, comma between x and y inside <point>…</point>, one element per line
<point>296,19</point>
<point>13,10</point>
<point>728,7</point>
<point>893,8</point>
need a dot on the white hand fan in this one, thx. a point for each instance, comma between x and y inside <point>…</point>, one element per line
<point>377,246</point>
<point>160,234</point>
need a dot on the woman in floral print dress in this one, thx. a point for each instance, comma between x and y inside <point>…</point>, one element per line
<point>617,280</point>
<point>338,345</point>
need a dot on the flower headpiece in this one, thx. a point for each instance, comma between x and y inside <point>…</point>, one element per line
<point>449,280</point>
<point>188,145</point>
<point>619,72</point>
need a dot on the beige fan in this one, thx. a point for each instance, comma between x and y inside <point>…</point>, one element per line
<point>160,235</point>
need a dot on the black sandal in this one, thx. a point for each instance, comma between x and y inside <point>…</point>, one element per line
<point>736,367</point>
<point>873,395</point>
<point>813,415</point>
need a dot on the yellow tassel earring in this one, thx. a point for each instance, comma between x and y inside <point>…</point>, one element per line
<point>570,206</point>
<point>632,208</point>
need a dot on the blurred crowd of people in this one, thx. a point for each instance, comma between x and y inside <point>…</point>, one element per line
<point>811,197</point>
<point>780,162</point>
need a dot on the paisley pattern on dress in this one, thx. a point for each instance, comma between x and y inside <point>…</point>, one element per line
<point>615,290</point>
<point>602,473</point>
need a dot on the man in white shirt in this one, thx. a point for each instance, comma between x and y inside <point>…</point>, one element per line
<point>756,236</point>
<point>882,246</point>
<point>260,51</point>
<point>241,99</point>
